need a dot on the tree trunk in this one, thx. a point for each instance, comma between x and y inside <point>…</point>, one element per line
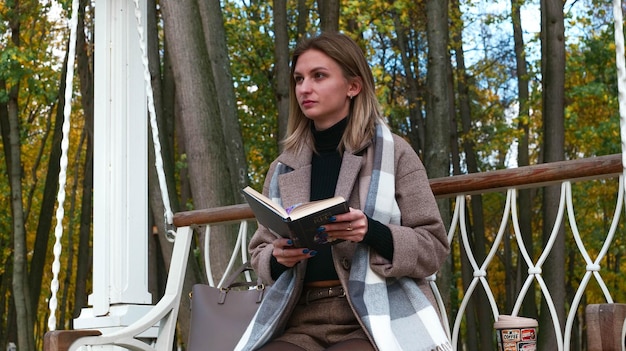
<point>165,126</point>
<point>447,271</point>
<point>84,257</point>
<point>84,66</point>
<point>529,308</point>
<point>7,307</point>
<point>553,73</point>
<point>196,94</point>
<point>416,118</point>
<point>164,100</point>
<point>281,68</point>
<point>233,155</point>
<point>215,35</point>
<point>165,117</point>
<point>210,178</point>
<point>10,335</point>
<point>303,19</point>
<point>21,291</point>
<point>329,15</point>
<point>437,132</point>
<point>483,316</point>
<point>164,89</point>
<point>436,154</point>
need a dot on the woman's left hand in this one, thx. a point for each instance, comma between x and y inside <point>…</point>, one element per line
<point>350,226</point>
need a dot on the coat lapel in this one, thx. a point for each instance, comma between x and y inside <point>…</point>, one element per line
<point>295,186</point>
<point>350,167</point>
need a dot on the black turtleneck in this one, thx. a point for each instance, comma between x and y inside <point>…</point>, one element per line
<point>326,162</point>
<point>325,166</point>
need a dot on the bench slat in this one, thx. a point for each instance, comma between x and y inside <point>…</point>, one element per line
<point>605,323</point>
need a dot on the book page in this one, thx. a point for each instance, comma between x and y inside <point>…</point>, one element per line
<point>266,200</point>
<point>313,207</point>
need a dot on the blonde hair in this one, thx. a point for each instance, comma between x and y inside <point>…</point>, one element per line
<point>364,107</point>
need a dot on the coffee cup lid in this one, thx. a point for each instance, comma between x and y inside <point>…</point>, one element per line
<point>505,321</point>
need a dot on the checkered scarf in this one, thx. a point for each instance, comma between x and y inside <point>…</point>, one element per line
<point>395,311</point>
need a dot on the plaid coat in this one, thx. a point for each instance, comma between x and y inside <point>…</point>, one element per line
<point>420,241</point>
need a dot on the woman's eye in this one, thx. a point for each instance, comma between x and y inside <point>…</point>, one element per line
<point>319,75</point>
<point>297,79</point>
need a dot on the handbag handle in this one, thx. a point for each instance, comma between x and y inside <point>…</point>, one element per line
<point>230,283</point>
<point>246,266</point>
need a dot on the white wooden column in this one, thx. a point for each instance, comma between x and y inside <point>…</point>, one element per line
<point>120,218</point>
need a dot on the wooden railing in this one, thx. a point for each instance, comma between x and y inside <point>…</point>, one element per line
<point>467,184</point>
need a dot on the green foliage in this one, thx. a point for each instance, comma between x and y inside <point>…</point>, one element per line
<point>592,114</point>
<point>380,27</point>
<point>249,27</point>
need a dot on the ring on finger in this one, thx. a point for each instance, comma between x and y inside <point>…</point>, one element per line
<point>349,226</point>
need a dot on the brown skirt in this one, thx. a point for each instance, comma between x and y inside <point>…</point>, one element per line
<point>316,324</point>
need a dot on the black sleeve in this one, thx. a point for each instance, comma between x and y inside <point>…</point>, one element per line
<point>276,268</point>
<point>379,238</point>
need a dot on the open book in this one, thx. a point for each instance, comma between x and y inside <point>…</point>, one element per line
<point>299,222</point>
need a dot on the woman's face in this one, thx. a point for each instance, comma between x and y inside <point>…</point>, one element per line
<point>322,91</point>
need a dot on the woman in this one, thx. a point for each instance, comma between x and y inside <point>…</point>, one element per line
<point>338,144</point>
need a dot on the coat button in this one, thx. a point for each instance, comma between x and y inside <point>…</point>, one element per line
<point>346,263</point>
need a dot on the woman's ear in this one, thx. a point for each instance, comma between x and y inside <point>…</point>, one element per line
<point>355,87</point>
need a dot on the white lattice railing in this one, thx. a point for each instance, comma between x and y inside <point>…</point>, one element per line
<point>459,188</point>
<point>563,174</point>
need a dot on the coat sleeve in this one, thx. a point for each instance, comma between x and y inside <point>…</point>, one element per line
<point>420,242</point>
<point>260,246</point>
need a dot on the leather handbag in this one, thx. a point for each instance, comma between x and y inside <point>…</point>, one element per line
<point>220,316</point>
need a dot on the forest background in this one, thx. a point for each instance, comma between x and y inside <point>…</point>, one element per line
<point>473,85</point>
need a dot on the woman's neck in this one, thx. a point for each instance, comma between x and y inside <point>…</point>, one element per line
<point>328,140</point>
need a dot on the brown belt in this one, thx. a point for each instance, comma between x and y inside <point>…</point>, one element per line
<point>312,294</point>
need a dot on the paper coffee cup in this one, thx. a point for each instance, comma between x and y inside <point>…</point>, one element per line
<point>516,333</point>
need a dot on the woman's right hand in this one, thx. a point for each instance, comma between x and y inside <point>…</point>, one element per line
<point>289,256</point>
